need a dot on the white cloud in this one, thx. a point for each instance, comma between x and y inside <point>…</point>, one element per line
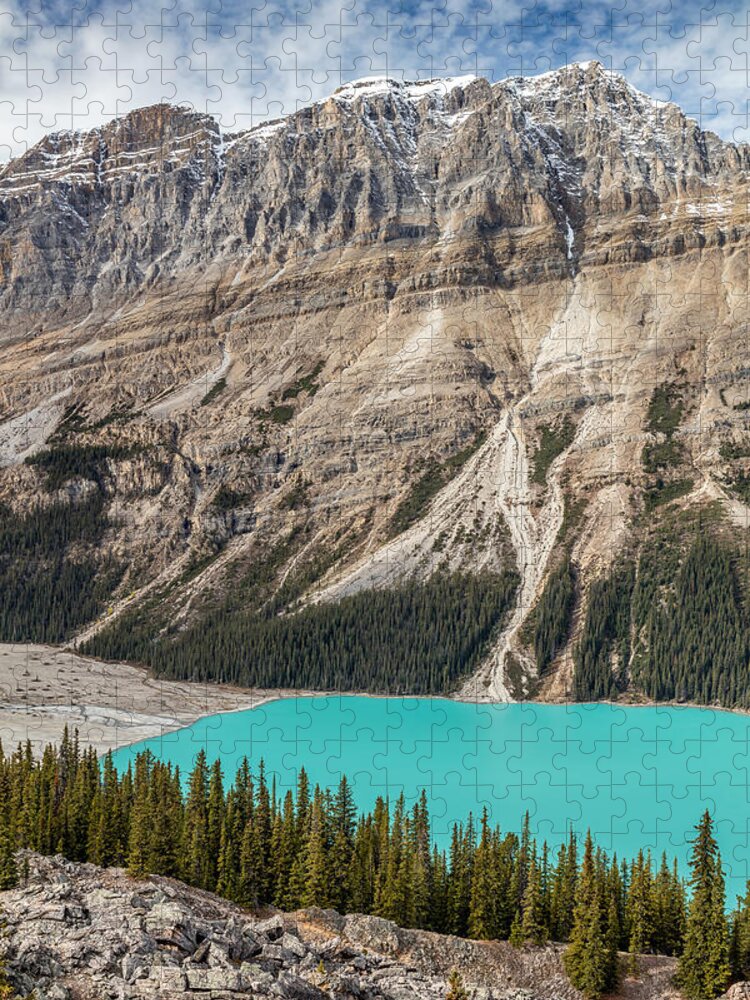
<point>270,60</point>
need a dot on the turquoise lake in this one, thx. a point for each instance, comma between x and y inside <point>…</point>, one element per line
<point>639,777</point>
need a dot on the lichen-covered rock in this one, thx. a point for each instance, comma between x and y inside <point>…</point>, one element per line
<point>159,937</point>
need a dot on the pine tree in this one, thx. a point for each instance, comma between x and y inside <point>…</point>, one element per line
<point>316,860</point>
<point>703,971</point>
<point>362,868</point>
<point>139,840</point>
<point>563,894</point>
<point>483,922</point>
<point>8,867</point>
<point>533,927</point>
<point>639,909</point>
<point>228,862</point>
<point>612,942</point>
<point>214,822</point>
<point>262,827</point>
<point>740,937</point>
<point>456,989</point>
<point>462,851</point>
<point>586,958</point>
<point>195,864</point>
<point>106,830</point>
<point>516,937</point>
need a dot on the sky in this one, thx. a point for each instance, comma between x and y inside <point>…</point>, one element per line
<point>75,64</point>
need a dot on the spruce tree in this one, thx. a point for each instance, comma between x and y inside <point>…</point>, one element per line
<point>6,990</point>
<point>139,840</point>
<point>586,958</point>
<point>456,990</point>
<point>703,971</point>
<point>483,922</point>
<point>533,927</point>
<point>740,937</point>
<point>639,909</point>
<point>8,867</point>
<point>214,822</point>
<point>195,863</point>
<point>316,860</point>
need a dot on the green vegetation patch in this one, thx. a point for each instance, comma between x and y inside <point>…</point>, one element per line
<point>298,496</point>
<point>88,461</point>
<point>306,384</point>
<point>228,498</point>
<point>216,389</point>
<point>739,485</point>
<point>665,492</point>
<point>418,638</point>
<point>553,440</point>
<point>684,611</point>
<point>281,414</point>
<point>52,578</point>
<point>72,422</point>
<point>553,614</point>
<point>433,479</point>
<point>662,455</point>
<point>730,451</point>
<point>603,652</point>
<point>665,410</point>
<point>574,508</point>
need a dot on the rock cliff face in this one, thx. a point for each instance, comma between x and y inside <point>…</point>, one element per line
<point>284,329</point>
<point>77,932</point>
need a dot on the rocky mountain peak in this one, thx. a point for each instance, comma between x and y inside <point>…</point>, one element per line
<point>293,331</point>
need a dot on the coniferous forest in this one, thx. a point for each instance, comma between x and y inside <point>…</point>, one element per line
<point>51,576</point>
<point>418,638</point>
<point>251,845</point>
<point>674,626</point>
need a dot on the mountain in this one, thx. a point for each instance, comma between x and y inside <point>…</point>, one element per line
<point>428,385</point>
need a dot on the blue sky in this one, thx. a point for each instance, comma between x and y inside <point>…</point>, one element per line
<point>75,64</point>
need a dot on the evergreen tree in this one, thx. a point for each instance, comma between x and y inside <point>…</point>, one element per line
<point>483,922</point>
<point>456,989</point>
<point>6,990</point>
<point>105,833</point>
<point>8,867</point>
<point>214,822</point>
<point>703,971</point>
<point>516,937</point>
<point>196,867</point>
<point>533,927</point>
<point>316,860</point>
<point>563,893</point>
<point>586,958</point>
<point>640,911</point>
<point>139,839</point>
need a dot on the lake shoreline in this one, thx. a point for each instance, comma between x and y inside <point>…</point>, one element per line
<point>115,704</point>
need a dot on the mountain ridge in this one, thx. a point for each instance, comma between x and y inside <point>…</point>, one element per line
<point>380,339</point>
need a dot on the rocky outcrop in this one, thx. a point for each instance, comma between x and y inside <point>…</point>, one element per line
<point>77,932</point>
<point>288,325</point>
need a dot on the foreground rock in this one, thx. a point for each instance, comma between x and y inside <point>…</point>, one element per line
<point>77,932</point>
